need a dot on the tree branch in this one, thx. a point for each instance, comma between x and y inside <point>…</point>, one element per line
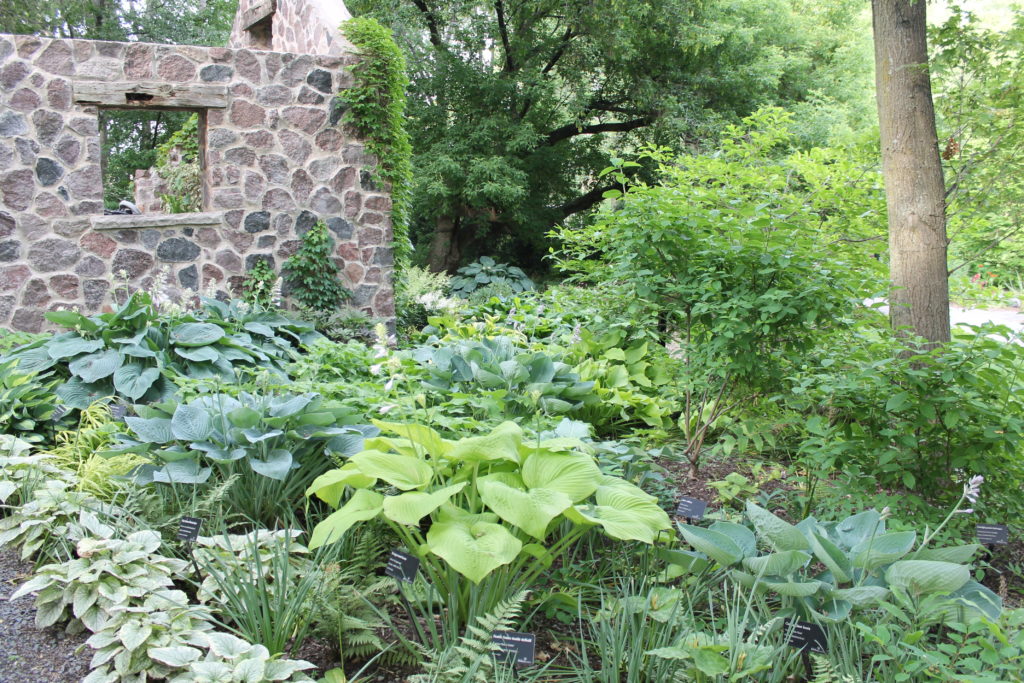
<point>573,129</point>
<point>499,11</point>
<point>428,16</point>
<point>559,51</point>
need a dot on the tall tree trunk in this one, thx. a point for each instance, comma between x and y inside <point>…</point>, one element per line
<point>914,188</point>
<point>443,256</point>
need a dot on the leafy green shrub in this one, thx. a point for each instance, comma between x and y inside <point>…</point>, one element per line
<point>725,262</point>
<point>863,564</point>
<point>134,351</point>
<point>259,286</point>
<point>312,275</point>
<point>487,272</point>
<point>177,162</point>
<point>107,576</point>
<point>885,415</point>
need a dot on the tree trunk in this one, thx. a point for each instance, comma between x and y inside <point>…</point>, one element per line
<point>444,248</point>
<point>914,187</point>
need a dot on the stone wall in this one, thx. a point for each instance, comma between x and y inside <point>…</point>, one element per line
<point>307,26</point>
<point>275,162</point>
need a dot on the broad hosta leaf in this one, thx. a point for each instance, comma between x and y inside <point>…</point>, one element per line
<point>777,564</point>
<point>875,551</point>
<point>831,556</point>
<point>781,534</point>
<point>857,528</point>
<point>623,512</point>
<point>792,589</point>
<point>973,600</point>
<point>402,471</point>
<point>742,536</point>
<point>78,394</point>
<point>363,505</point>
<point>501,444</point>
<point>409,508</point>
<point>574,474</point>
<point>532,511</point>
<point>244,417</point>
<point>472,548</point>
<point>191,422</point>
<point>918,577</point>
<point>276,465</point>
<point>196,334</point>
<point>71,319</point>
<point>835,610</point>
<point>960,554</point>
<point>95,366</point>
<point>66,348</point>
<point>290,406</point>
<point>198,354</point>
<point>182,472</point>
<point>714,544</point>
<point>329,486</point>
<point>861,596</point>
<point>133,380</point>
<point>429,441</point>
<point>152,430</point>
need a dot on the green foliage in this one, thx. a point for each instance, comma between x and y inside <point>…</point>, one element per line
<point>108,575</point>
<point>262,586</point>
<point>421,295</point>
<point>134,351</point>
<point>27,401</point>
<point>131,139</point>
<point>258,287</point>
<point>486,272</point>
<point>863,563</point>
<point>472,660</point>
<point>178,163</point>
<point>375,106</point>
<point>311,273</point>
<point>885,414</point>
<point>495,378</point>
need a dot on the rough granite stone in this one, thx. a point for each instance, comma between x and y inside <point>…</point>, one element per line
<point>10,250</point>
<point>189,277</point>
<point>36,293</point>
<point>90,266</point>
<point>49,125</point>
<point>95,293</point>
<point>57,58</point>
<point>7,224</point>
<point>17,189</point>
<point>12,123</point>
<point>49,255</point>
<point>176,68</point>
<point>216,73</point>
<point>342,229</point>
<point>252,259</point>
<point>13,277</point>
<point>178,249</point>
<point>132,263</point>
<point>65,287</point>
<point>275,167</point>
<point>321,80</point>
<point>24,99</point>
<point>257,221</point>
<point>58,94</point>
<point>48,171</point>
<point>278,200</point>
<point>28,320</point>
<point>28,150</point>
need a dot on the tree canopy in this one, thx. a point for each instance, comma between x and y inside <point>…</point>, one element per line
<point>516,106</point>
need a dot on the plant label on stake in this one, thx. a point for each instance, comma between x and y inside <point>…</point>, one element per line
<point>691,508</point>
<point>992,534</point>
<point>118,412</point>
<point>402,566</point>
<point>518,647</point>
<point>807,637</point>
<point>188,531</point>
<point>59,412</point>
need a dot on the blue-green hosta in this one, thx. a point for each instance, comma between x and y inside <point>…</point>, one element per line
<point>491,500</point>
<point>134,351</point>
<point>826,570</point>
<point>273,434</point>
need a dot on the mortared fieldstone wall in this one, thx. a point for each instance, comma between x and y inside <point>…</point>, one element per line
<point>275,161</point>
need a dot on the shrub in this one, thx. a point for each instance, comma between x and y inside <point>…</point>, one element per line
<point>311,273</point>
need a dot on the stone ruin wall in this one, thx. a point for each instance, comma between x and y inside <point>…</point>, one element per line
<point>275,161</point>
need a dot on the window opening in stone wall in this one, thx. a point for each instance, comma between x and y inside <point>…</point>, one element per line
<point>261,34</point>
<point>152,161</point>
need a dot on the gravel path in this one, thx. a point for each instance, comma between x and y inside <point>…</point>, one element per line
<point>30,655</point>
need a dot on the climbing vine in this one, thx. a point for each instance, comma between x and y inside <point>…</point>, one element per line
<point>375,106</point>
<point>313,275</point>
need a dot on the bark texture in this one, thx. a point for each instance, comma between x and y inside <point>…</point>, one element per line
<point>914,187</point>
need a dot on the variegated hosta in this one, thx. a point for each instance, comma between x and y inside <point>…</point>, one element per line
<point>859,562</point>
<point>491,500</point>
<point>107,576</point>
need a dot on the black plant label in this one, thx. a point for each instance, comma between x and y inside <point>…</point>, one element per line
<point>691,508</point>
<point>118,412</point>
<point>188,528</point>
<point>992,534</point>
<point>402,566</point>
<point>515,646</point>
<point>806,636</point>
<point>59,412</point>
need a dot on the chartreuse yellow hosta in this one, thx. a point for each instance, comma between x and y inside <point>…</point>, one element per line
<point>492,500</point>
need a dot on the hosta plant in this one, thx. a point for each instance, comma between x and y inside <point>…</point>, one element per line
<point>134,352</point>
<point>482,504</point>
<point>49,524</point>
<point>27,401</point>
<point>138,642</point>
<point>22,472</point>
<point>107,576</point>
<point>825,570</point>
<point>268,434</point>
<point>504,380</point>
<point>228,659</point>
<point>487,272</point>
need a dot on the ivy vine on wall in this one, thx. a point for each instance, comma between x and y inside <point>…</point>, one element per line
<point>375,106</point>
